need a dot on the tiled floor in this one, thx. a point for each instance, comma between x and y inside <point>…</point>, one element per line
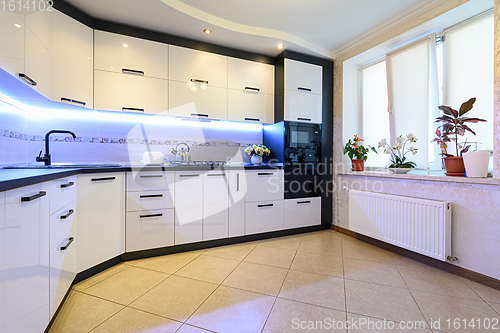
<point>287,284</point>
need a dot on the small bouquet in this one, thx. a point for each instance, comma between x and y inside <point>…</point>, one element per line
<point>257,150</point>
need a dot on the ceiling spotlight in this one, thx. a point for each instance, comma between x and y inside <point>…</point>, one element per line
<point>17,25</point>
<point>207,31</point>
<point>280,46</point>
<point>125,45</point>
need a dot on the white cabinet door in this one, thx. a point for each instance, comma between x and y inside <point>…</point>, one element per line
<point>12,41</point>
<point>37,64</point>
<point>301,76</point>
<point>265,184</point>
<point>303,106</point>
<point>150,180</point>
<point>263,216</point>
<point>188,64</point>
<point>302,212</point>
<point>215,205</point>
<point>61,222</point>
<point>208,103</point>
<point>101,218</point>
<point>243,74</point>
<point>27,259</point>
<point>188,206</point>
<point>150,229</point>
<point>119,53</point>
<point>2,261</point>
<point>62,192</point>
<point>130,93</point>
<point>248,105</point>
<point>237,192</point>
<point>72,72</point>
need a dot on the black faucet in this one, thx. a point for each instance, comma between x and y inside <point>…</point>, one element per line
<point>46,158</point>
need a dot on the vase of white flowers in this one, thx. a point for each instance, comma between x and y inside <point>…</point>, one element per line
<point>399,164</point>
<point>257,152</point>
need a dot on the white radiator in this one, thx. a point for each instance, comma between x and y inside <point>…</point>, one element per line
<point>419,225</point>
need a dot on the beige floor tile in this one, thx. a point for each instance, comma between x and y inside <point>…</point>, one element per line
<point>365,324</point>
<point>289,242</point>
<point>433,280</point>
<point>132,262</point>
<point>318,263</point>
<point>233,310</point>
<point>170,263</point>
<point>314,289</point>
<point>380,301</point>
<point>127,285</point>
<point>235,252</point>
<point>441,308</point>
<point>82,313</point>
<point>290,316</point>
<point>486,293</point>
<point>208,268</point>
<point>257,278</point>
<point>373,272</point>
<point>364,251</point>
<point>130,320</point>
<point>176,297</point>
<point>191,329</point>
<point>495,306</point>
<point>271,256</point>
<point>85,284</point>
<point>330,246</point>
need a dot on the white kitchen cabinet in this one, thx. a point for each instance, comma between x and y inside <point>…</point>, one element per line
<point>2,261</point>
<point>72,72</point>
<point>302,212</point>
<point>188,207</point>
<point>237,191</point>
<point>101,218</point>
<point>130,93</point>
<point>215,205</point>
<point>250,105</point>
<point>303,107</point>
<point>301,76</point>
<point>135,56</point>
<point>263,216</point>
<point>264,185</point>
<point>37,64</point>
<point>27,259</point>
<point>209,103</point>
<point>150,180</point>
<point>61,222</point>
<point>201,67</point>
<point>243,74</point>
<point>12,41</point>
<point>62,192</point>
<point>150,200</point>
<point>150,229</point>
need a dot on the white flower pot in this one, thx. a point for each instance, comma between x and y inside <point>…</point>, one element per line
<point>476,163</point>
<point>256,160</point>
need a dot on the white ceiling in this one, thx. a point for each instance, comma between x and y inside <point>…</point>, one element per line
<point>315,27</point>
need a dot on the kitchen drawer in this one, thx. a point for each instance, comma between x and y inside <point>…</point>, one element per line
<point>61,222</point>
<point>62,192</point>
<point>264,185</point>
<point>302,212</point>
<point>263,216</point>
<point>150,181</point>
<point>148,200</point>
<point>150,229</point>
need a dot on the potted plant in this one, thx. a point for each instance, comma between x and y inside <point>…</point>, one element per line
<point>257,152</point>
<point>454,125</point>
<point>399,164</point>
<point>357,153</point>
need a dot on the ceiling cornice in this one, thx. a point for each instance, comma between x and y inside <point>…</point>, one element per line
<point>405,16</point>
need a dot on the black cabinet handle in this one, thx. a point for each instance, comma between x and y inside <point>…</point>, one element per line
<point>64,217</point>
<point>151,215</point>
<point>303,202</point>
<point>67,185</point>
<point>27,79</point>
<point>103,179</point>
<point>185,176</point>
<point>70,240</point>
<point>304,89</point>
<point>253,119</point>
<point>132,71</point>
<point>199,81</point>
<point>34,197</point>
<point>216,174</point>
<point>151,176</point>
<point>132,109</point>
<point>151,196</point>
<point>237,182</point>
<point>307,119</point>
<point>268,205</point>
<point>64,99</point>
<point>265,174</point>
<point>199,115</point>
<point>250,88</point>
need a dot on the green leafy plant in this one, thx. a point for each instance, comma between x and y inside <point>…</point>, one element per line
<point>398,153</point>
<point>454,125</point>
<point>355,150</point>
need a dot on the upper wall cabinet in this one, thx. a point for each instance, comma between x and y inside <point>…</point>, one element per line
<point>250,75</point>
<point>129,55</point>
<point>301,76</point>
<point>12,41</point>
<point>197,67</point>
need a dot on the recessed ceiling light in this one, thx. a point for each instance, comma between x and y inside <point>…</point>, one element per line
<point>125,45</point>
<point>280,46</point>
<point>207,31</point>
<point>17,25</point>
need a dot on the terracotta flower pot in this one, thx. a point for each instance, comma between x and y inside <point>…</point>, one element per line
<point>454,166</point>
<point>358,165</point>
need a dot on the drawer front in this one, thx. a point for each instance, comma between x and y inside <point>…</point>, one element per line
<point>150,229</point>
<point>149,200</point>
<point>61,222</point>
<point>264,216</point>
<point>62,192</point>
<point>150,181</point>
<point>264,185</point>
<point>302,212</point>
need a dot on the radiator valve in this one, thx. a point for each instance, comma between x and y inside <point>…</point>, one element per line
<point>450,258</point>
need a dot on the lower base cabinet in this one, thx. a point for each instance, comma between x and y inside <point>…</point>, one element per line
<point>263,216</point>
<point>149,229</point>
<point>302,212</point>
<point>188,207</point>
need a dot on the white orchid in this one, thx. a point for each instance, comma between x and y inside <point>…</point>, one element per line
<point>398,159</point>
<point>400,140</point>
<point>413,150</point>
<point>411,137</point>
<point>382,143</point>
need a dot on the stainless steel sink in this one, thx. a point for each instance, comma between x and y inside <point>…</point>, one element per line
<point>63,166</point>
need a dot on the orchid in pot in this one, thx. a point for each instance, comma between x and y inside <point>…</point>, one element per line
<point>357,152</point>
<point>257,152</point>
<point>399,164</point>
